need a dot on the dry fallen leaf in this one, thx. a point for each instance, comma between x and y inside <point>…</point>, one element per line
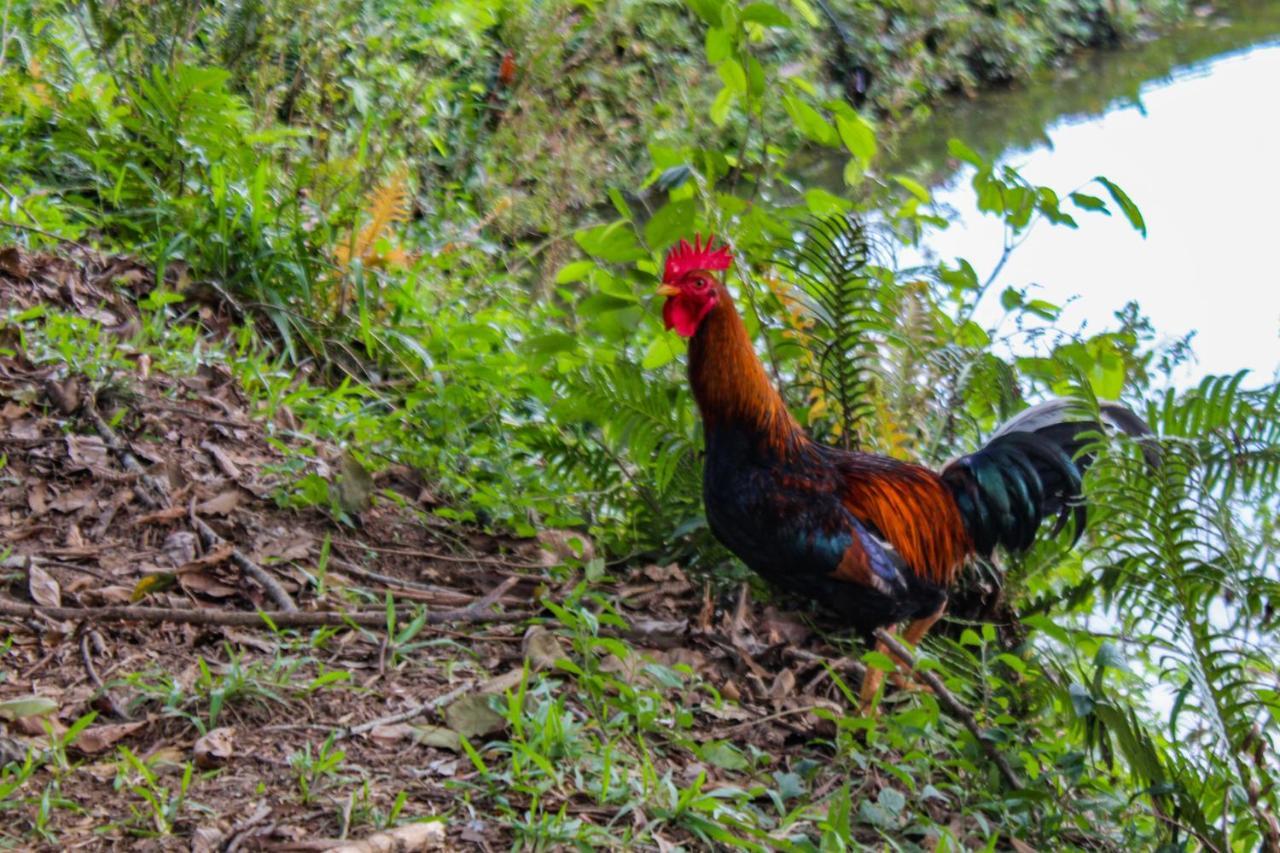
<point>560,546</point>
<point>205,584</point>
<point>36,499</point>
<point>389,734</point>
<point>88,451</point>
<point>402,839</point>
<point>43,588</point>
<point>167,514</point>
<point>72,501</point>
<point>541,648</point>
<point>220,504</point>
<point>96,739</point>
<point>217,555</point>
<point>783,686</point>
<point>13,262</point>
<point>663,574</point>
<point>207,839</point>
<point>215,747</point>
<point>437,736</point>
<point>20,707</point>
<point>471,716</point>
<point>180,547</point>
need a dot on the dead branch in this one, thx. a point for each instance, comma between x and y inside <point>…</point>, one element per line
<point>947,698</point>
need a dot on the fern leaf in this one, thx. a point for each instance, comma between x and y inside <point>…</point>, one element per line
<point>830,265</point>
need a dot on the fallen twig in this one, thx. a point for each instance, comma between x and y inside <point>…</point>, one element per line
<point>404,716</point>
<point>491,597</point>
<point>244,618</point>
<point>211,539</point>
<point>435,555</point>
<point>947,698</point>
<point>405,587</point>
<point>113,705</point>
<point>154,491</point>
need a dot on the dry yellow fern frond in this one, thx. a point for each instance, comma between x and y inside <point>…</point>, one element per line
<point>387,205</point>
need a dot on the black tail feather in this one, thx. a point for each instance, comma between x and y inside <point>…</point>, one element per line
<point>1032,469</point>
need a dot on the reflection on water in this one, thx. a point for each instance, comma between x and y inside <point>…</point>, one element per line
<point>1190,126</point>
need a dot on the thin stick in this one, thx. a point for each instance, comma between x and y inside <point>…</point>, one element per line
<point>491,597</point>
<point>404,716</point>
<point>790,712</point>
<point>268,582</point>
<point>87,657</point>
<point>243,618</point>
<point>953,705</point>
<point>349,568</point>
<point>434,555</point>
<point>154,490</point>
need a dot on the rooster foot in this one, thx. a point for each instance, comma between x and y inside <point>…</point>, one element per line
<point>906,683</point>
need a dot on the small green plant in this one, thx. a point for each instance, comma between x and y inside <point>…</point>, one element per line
<point>161,805</point>
<point>315,770</point>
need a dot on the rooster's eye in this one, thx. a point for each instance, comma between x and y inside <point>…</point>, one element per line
<point>700,283</point>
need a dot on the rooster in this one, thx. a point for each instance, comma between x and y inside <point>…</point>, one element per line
<point>875,539</point>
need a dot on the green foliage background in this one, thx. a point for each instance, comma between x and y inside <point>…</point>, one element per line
<point>497,330</point>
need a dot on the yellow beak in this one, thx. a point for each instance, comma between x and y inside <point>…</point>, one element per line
<point>668,290</point>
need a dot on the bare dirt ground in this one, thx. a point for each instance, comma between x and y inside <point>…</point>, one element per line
<point>158,493</point>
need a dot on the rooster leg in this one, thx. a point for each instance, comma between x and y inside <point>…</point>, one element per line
<point>913,635</point>
<point>872,679</point>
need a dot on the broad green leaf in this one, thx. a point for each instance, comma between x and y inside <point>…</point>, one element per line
<point>1089,202</point>
<point>673,221</point>
<point>720,106</point>
<point>734,77</point>
<point>615,242</point>
<point>755,77</point>
<point>1043,309</point>
<point>550,343</point>
<point>707,10</point>
<point>857,136</point>
<point>963,152</point>
<point>809,121</point>
<point>912,186</point>
<point>576,271</point>
<point>879,660</point>
<point>724,755</point>
<point>1130,209</point>
<point>766,14</point>
<point>892,800</point>
<point>662,350</point>
<point>719,45</point>
<point>805,10</point>
<point>822,203</point>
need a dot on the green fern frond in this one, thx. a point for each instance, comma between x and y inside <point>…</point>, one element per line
<point>831,266</point>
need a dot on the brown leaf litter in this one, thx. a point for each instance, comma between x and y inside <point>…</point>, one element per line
<point>181,526</point>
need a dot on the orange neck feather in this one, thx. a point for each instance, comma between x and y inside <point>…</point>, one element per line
<point>730,383</point>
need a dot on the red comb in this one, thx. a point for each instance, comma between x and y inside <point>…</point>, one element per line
<point>684,259</point>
